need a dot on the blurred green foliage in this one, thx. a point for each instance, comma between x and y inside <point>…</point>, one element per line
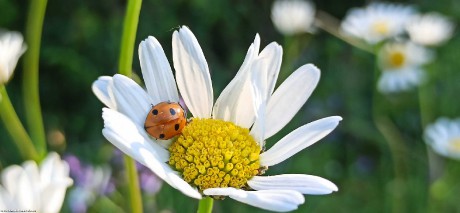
<point>81,42</point>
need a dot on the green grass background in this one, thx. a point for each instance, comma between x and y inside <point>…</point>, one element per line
<point>81,42</point>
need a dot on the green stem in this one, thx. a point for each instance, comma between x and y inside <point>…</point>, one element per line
<point>426,108</point>
<point>135,197</point>
<point>435,163</point>
<point>331,25</point>
<point>31,94</point>
<point>425,96</point>
<point>205,205</point>
<point>15,128</point>
<point>395,142</point>
<point>397,150</point>
<point>125,67</point>
<point>129,37</point>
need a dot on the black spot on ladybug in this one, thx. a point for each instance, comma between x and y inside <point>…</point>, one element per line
<point>172,111</point>
<point>162,135</point>
<point>176,127</point>
<point>155,112</point>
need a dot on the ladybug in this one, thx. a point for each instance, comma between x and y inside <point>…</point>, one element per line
<point>165,120</point>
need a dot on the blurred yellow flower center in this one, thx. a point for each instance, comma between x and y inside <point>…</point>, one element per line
<point>381,27</point>
<point>455,144</point>
<point>214,153</point>
<point>397,59</point>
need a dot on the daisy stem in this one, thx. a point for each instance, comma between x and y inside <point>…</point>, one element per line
<point>435,163</point>
<point>128,37</point>
<point>130,23</point>
<point>425,94</point>
<point>133,181</point>
<point>15,128</point>
<point>31,96</point>
<point>331,25</point>
<point>205,205</point>
<point>395,142</point>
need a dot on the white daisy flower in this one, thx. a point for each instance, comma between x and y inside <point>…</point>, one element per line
<point>219,152</point>
<point>401,66</point>
<point>29,187</point>
<point>377,21</point>
<point>293,16</point>
<point>430,29</point>
<point>444,137</point>
<point>11,48</point>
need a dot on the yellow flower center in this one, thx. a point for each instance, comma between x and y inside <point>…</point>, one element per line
<point>455,145</point>
<point>214,153</point>
<point>397,59</point>
<point>381,27</point>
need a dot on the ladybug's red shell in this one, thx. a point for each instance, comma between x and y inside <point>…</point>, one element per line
<point>165,120</point>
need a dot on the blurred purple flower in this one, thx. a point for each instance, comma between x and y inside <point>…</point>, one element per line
<point>90,182</point>
<point>148,181</point>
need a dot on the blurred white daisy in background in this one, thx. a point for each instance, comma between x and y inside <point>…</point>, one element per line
<point>430,29</point>
<point>401,65</point>
<point>293,16</point>
<point>29,187</point>
<point>444,137</point>
<point>377,21</point>
<point>231,163</point>
<point>12,46</point>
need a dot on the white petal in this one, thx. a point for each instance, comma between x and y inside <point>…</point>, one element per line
<point>305,184</point>
<point>53,197</point>
<point>235,102</point>
<point>10,176</point>
<point>26,196</point>
<point>131,99</point>
<point>54,176</point>
<point>157,73</point>
<point>442,135</point>
<point>170,176</point>
<point>6,201</point>
<point>126,136</point>
<point>54,171</point>
<point>400,80</point>
<point>102,89</point>
<point>31,170</point>
<point>259,88</point>
<point>265,73</point>
<point>192,73</point>
<point>290,96</point>
<point>132,138</point>
<point>298,140</point>
<point>12,46</point>
<point>430,29</point>
<point>48,167</point>
<point>291,17</point>
<point>270,59</point>
<point>272,200</point>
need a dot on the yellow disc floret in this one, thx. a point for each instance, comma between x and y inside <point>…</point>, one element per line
<point>454,145</point>
<point>397,59</point>
<point>214,153</point>
<point>381,27</point>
